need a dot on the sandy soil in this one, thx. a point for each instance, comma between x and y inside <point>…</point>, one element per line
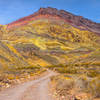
<point>32,90</point>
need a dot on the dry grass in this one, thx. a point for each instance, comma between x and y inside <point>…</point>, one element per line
<point>13,76</point>
<point>77,84</point>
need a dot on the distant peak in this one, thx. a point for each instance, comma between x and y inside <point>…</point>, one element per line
<point>48,8</point>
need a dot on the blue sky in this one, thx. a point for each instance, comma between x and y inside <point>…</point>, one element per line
<point>11,10</point>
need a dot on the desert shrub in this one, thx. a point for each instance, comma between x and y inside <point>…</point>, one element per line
<point>92,73</point>
<point>78,84</point>
<point>49,59</point>
<point>89,85</point>
<point>64,85</point>
<point>11,76</point>
<point>2,77</point>
<point>61,68</point>
<point>81,83</point>
<point>28,67</point>
<point>66,69</point>
<point>55,67</point>
<point>94,87</point>
<point>96,63</point>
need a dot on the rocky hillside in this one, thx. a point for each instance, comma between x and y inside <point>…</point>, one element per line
<point>49,37</point>
<point>54,39</point>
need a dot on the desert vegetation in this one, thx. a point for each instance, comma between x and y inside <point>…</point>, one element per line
<point>80,81</point>
<point>13,76</point>
<point>57,45</point>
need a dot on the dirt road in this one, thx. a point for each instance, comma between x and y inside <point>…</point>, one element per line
<point>33,90</point>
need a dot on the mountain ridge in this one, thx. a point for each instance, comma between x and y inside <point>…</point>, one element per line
<point>77,21</point>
